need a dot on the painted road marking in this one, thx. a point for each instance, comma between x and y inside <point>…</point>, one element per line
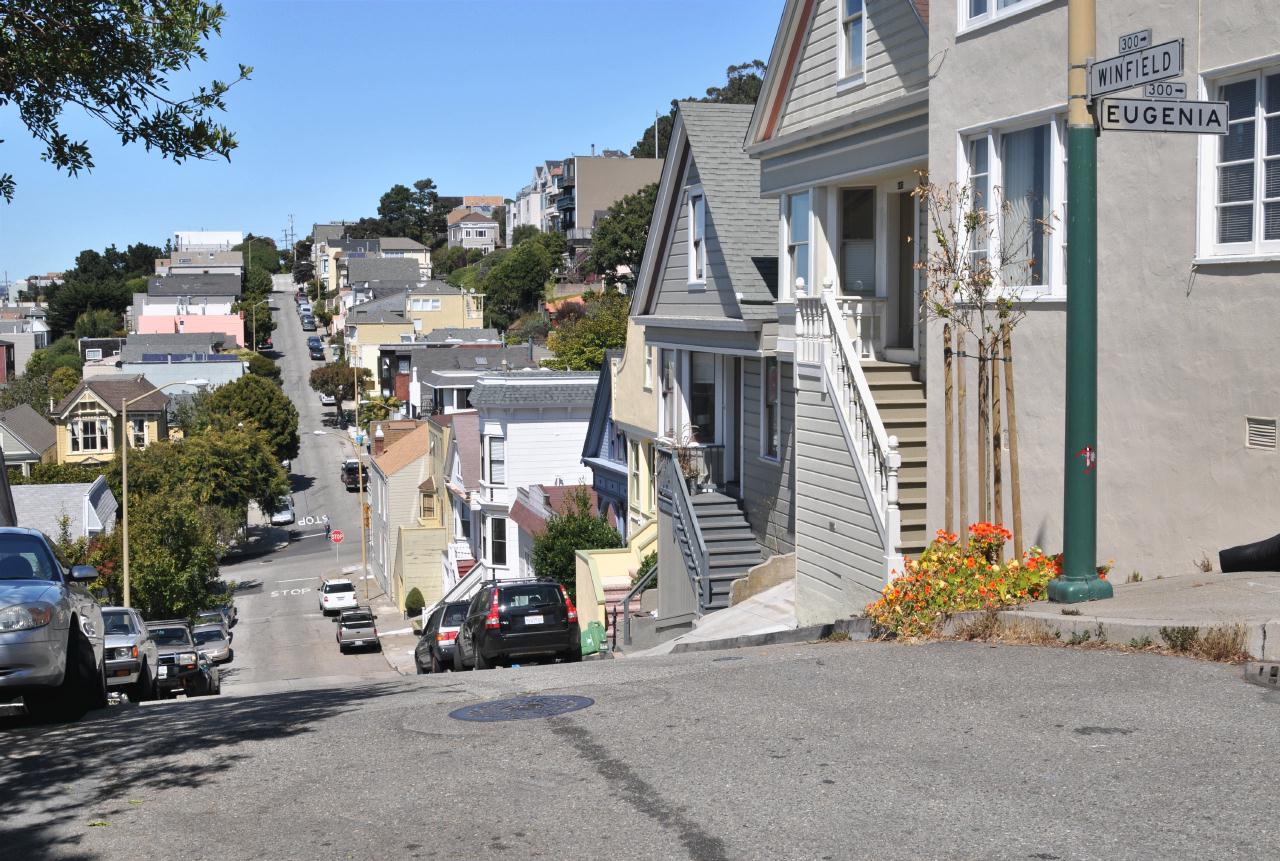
<point>298,580</point>
<point>282,593</point>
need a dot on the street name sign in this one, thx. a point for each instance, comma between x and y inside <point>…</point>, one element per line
<point>1165,90</point>
<point>1158,115</point>
<point>1135,68</point>
<point>1135,41</point>
<point>336,536</point>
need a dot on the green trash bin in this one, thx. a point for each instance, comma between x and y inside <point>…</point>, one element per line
<point>593,638</point>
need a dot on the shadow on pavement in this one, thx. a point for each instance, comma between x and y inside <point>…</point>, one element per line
<point>59,778</point>
<point>301,482</point>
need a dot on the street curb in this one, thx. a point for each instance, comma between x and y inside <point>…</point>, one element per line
<point>1262,639</point>
<point>857,629</point>
<point>1264,673</point>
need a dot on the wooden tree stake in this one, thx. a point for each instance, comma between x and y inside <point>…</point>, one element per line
<point>949,519</point>
<point>1015,486</point>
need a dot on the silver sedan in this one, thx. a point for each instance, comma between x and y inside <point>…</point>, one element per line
<point>214,641</point>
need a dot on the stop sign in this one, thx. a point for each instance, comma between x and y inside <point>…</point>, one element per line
<point>336,536</point>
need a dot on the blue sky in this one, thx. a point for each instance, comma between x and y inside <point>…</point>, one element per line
<point>348,98</point>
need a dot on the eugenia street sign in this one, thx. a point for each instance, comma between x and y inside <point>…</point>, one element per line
<point>1135,68</point>
<point>1156,115</point>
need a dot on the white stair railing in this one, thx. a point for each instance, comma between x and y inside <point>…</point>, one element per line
<point>822,338</point>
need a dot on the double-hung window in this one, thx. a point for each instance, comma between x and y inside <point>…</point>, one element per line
<point>90,435</point>
<point>697,238</point>
<point>797,241</point>
<point>1246,177</point>
<point>138,432</point>
<point>498,541</point>
<point>1018,176</point>
<point>497,460</point>
<point>771,408</point>
<point>853,40</point>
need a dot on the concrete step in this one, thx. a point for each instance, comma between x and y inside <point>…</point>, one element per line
<point>891,372</point>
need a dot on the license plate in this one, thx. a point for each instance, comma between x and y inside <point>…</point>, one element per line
<point>532,620</point>
<point>357,643</point>
<point>122,672</point>
<point>163,671</point>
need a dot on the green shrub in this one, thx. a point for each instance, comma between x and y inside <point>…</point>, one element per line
<point>414,602</point>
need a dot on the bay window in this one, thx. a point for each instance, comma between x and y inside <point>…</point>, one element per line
<point>797,241</point>
<point>497,460</point>
<point>90,435</point>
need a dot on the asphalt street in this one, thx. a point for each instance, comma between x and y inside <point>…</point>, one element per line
<point>282,636</point>
<point>823,751</point>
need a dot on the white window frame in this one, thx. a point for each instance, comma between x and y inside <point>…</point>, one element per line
<point>1209,249</point>
<point>101,431</point>
<point>138,428</point>
<point>696,216</point>
<point>764,412</point>
<point>648,368</point>
<point>966,22</point>
<point>1054,286</point>
<point>851,77</point>
<point>489,533</point>
<point>488,460</point>
<point>92,354</point>
<point>787,289</point>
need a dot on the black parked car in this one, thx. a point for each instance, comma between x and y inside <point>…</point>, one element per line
<point>434,651</point>
<point>531,619</point>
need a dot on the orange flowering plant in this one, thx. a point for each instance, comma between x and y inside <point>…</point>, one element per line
<point>951,578</point>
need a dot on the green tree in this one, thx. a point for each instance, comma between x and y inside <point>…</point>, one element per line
<point>337,380</point>
<point>62,353</point>
<point>55,473</point>
<point>261,253</point>
<point>258,324</point>
<point>378,408</point>
<point>97,323</point>
<point>555,243</point>
<point>115,61</point>
<point>516,283</point>
<point>260,401</point>
<point>522,233</point>
<point>500,216</point>
<point>742,87</point>
<point>257,283</point>
<point>260,365</point>
<point>62,382</point>
<point>580,344</point>
<point>69,301</point>
<point>619,237</point>
<point>303,269</point>
<point>573,529</point>
<point>173,555</point>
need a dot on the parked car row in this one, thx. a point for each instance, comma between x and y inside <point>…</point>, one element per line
<point>505,623</point>
<point>305,312</point>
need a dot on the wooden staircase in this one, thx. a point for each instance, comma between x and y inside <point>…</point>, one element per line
<point>900,398</point>
<point>732,549</point>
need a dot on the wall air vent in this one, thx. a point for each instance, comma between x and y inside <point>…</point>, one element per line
<point>1260,433</point>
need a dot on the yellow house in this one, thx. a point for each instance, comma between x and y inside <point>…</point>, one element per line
<point>426,535</point>
<point>89,419</point>
<point>403,317</point>
<point>603,577</point>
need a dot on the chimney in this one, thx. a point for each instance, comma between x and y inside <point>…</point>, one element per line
<point>379,440</point>
<point>593,150</point>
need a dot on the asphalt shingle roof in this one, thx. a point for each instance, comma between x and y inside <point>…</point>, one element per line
<point>401,243</point>
<point>360,269</point>
<point>535,388</point>
<point>194,285</point>
<point>388,309</point>
<point>439,336</point>
<point>481,360</point>
<point>31,428</point>
<point>114,389</point>
<point>42,506</point>
<point>746,225</point>
<point>466,438</point>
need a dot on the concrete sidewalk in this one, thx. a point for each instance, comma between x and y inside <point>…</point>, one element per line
<point>1203,601</point>
<point>771,611</point>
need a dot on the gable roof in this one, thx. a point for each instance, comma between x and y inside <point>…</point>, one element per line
<point>326,232</point>
<point>534,389</point>
<point>389,309</point>
<point>470,217</point>
<point>30,428</point>
<point>192,284</point>
<point>483,200</point>
<point>784,60</point>
<point>42,506</point>
<point>745,225</point>
<point>405,450</point>
<point>115,388</point>
<point>360,269</point>
<point>601,407</point>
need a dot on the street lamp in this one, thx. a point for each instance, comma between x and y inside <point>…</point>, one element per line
<point>124,464</point>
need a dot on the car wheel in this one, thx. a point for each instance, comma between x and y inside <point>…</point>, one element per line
<point>144,689</point>
<point>458,666</point>
<point>436,666</point>
<point>482,663</point>
<point>417,665</point>
<point>80,682</point>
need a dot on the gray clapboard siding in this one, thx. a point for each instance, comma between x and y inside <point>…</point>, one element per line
<point>674,296</point>
<point>896,63</point>
<point>767,486</point>
<point>839,554</point>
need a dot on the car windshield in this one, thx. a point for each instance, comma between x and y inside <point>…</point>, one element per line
<point>330,588</point>
<point>203,637</point>
<point>531,595</point>
<point>24,557</point>
<point>118,623</point>
<point>357,623</point>
<point>170,636</point>
<point>453,616</point>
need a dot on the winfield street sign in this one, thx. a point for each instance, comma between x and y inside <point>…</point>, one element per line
<point>1157,115</point>
<point>1135,68</point>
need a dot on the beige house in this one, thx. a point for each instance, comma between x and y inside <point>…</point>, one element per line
<point>89,419</point>
<point>407,316</point>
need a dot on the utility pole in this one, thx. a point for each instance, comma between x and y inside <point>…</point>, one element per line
<point>1079,579</point>
<point>364,506</point>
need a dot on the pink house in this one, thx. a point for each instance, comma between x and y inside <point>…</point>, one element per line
<point>163,324</point>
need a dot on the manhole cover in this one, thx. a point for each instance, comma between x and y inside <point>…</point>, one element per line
<point>521,708</point>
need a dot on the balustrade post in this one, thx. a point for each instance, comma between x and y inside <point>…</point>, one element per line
<point>892,513</point>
